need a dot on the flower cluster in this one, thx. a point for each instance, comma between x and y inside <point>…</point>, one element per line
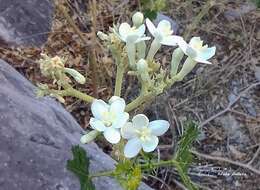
<point>54,68</point>
<point>111,120</point>
<point>135,36</point>
<point>129,42</point>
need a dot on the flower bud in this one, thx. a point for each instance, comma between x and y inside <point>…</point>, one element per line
<point>51,67</point>
<point>142,68</point>
<point>76,75</point>
<point>102,35</point>
<point>138,19</point>
<point>87,138</point>
<point>142,65</point>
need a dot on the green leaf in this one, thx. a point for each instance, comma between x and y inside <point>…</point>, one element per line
<point>152,7</point>
<point>183,155</point>
<point>128,175</point>
<point>80,167</point>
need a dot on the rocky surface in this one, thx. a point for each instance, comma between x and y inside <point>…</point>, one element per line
<point>25,22</point>
<point>36,136</point>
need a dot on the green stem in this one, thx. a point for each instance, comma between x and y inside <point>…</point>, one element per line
<point>119,80</point>
<point>131,50</point>
<point>77,94</point>
<point>99,174</point>
<point>137,102</point>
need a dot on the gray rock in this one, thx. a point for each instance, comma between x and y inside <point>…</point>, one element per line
<point>233,14</point>
<point>25,22</point>
<point>36,136</point>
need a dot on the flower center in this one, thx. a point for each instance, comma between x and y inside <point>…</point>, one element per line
<point>197,46</point>
<point>133,30</point>
<point>144,134</point>
<point>108,118</point>
<point>166,31</point>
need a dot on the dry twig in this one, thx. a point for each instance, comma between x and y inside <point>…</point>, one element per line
<point>229,106</point>
<point>221,159</point>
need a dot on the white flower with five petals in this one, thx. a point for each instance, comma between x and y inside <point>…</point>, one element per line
<point>197,51</point>
<point>142,134</point>
<point>163,32</point>
<point>109,118</point>
<point>163,35</point>
<point>131,36</point>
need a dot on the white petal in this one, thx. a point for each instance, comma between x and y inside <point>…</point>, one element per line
<point>120,120</point>
<point>163,26</point>
<point>199,60</point>
<point>140,121</point>
<point>150,26</point>
<point>112,135</point>
<point>151,144</point>
<point>97,124</point>
<point>142,39</point>
<point>132,38</point>
<point>183,45</point>
<point>207,53</point>
<point>195,41</point>
<point>112,99</point>
<point>172,40</point>
<point>128,131</point>
<point>141,30</point>
<point>159,127</point>
<point>132,148</point>
<point>124,29</point>
<point>117,106</point>
<point>192,53</point>
<point>98,107</point>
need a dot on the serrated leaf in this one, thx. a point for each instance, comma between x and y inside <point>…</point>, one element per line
<point>183,155</point>
<point>79,165</point>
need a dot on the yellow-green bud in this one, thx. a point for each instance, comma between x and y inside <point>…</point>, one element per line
<point>87,138</point>
<point>76,75</point>
<point>102,35</point>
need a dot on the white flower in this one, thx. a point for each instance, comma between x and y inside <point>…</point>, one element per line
<point>162,36</point>
<point>130,34</point>
<point>163,32</point>
<point>196,51</point>
<point>109,118</point>
<point>142,135</point>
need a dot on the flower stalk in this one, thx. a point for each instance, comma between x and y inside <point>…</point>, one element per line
<point>119,80</point>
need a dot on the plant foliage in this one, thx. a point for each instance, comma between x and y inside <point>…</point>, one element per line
<point>152,7</point>
<point>183,155</point>
<point>128,175</point>
<point>79,165</point>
